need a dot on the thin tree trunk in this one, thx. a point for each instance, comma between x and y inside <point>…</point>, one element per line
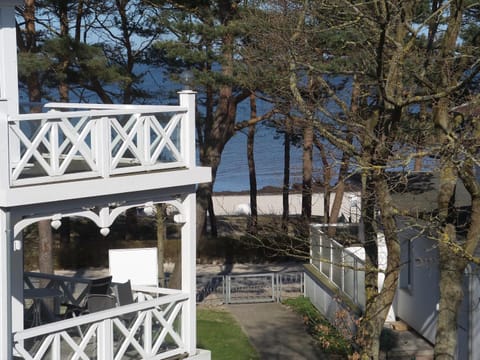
<point>212,217</point>
<point>343,171</point>
<point>176,277</point>
<point>307,178</point>
<point>45,255</point>
<point>327,177</point>
<point>161,238</point>
<point>286,175</point>
<point>204,193</point>
<point>252,227</point>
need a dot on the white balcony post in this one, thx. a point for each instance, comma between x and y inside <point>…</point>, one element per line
<point>187,99</point>
<point>8,55</point>
<point>5,286</point>
<point>8,67</point>
<point>105,340</point>
<point>4,147</point>
<point>103,144</point>
<point>189,330</point>
<point>16,272</point>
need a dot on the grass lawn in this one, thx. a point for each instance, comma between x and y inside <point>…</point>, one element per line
<point>219,332</point>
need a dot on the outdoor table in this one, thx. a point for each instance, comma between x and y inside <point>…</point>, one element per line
<point>38,295</point>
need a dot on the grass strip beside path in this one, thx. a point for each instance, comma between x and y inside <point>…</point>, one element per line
<point>220,333</point>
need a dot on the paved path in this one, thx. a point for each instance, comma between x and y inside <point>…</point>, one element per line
<point>275,331</point>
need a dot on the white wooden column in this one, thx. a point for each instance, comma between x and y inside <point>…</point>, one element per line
<point>187,99</point>
<point>16,271</point>
<point>8,55</point>
<point>5,286</point>
<point>189,250</point>
<point>8,69</point>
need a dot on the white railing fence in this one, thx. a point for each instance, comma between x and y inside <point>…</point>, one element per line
<point>340,265</point>
<point>146,329</point>
<point>97,141</point>
<point>250,288</point>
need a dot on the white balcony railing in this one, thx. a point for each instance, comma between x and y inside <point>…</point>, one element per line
<point>341,266</point>
<point>143,330</point>
<point>97,141</point>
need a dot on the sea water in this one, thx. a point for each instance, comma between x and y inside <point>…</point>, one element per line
<point>233,174</point>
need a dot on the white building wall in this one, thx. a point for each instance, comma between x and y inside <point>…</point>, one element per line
<point>272,204</point>
<point>416,302</point>
<point>417,299</point>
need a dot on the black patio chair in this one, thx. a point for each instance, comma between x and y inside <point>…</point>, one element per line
<point>124,296</point>
<point>99,302</point>
<point>100,286</point>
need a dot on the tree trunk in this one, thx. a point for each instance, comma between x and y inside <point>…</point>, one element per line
<point>45,256</point>
<point>221,131</point>
<point>45,246</point>
<point>418,164</point>
<point>204,194</point>
<point>451,296</point>
<point>339,191</point>
<point>307,178</point>
<point>451,267</point>
<point>327,178</point>
<point>252,227</point>
<point>176,277</point>
<point>286,175</point>
<point>161,238</point>
<point>368,332</point>
<point>378,302</point>
<point>212,217</point>
<point>343,171</point>
<point>220,127</point>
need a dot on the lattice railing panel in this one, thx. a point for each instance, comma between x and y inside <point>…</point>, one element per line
<point>142,330</point>
<point>62,146</point>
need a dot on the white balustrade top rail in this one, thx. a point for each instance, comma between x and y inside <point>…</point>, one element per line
<point>97,141</point>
